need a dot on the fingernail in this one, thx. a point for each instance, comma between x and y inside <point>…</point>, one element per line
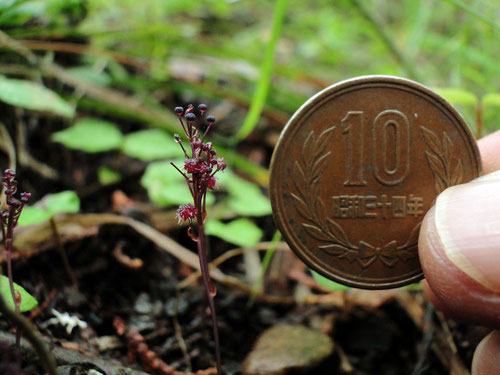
<point>468,223</point>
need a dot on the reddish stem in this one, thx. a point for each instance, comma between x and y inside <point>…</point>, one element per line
<point>8,254</point>
<point>209,286</point>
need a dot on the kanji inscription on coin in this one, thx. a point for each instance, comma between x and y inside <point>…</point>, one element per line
<point>355,171</point>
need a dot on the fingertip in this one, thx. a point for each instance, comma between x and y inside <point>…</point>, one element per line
<point>458,252</point>
<point>488,147</point>
<point>486,359</point>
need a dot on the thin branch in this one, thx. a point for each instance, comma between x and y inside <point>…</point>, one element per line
<point>30,333</point>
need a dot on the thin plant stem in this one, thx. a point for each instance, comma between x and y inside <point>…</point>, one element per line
<point>62,253</point>
<point>8,255</point>
<point>209,287</point>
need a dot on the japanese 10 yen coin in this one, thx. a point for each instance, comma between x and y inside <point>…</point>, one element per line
<point>355,170</point>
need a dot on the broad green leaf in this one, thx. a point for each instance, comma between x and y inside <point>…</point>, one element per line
<point>62,202</point>
<point>327,283</point>
<point>90,135</point>
<point>32,215</point>
<point>33,96</point>
<point>245,198</point>
<point>107,176</point>
<point>166,186</point>
<point>252,205</point>
<point>148,145</point>
<point>28,302</point>
<point>241,232</point>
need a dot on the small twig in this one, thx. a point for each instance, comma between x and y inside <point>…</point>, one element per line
<point>178,332</point>
<point>30,333</point>
<point>448,358</point>
<point>134,263</point>
<point>429,329</point>
<point>25,157</point>
<point>345,365</point>
<point>137,346</point>
<point>67,266</point>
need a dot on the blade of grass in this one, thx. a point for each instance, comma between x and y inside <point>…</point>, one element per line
<point>264,81</point>
<point>473,12</point>
<point>265,263</point>
<point>380,30</point>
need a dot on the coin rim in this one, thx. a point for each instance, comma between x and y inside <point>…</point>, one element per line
<point>309,105</point>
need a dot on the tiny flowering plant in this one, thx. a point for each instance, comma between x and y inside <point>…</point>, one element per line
<point>199,169</point>
<point>9,216</point>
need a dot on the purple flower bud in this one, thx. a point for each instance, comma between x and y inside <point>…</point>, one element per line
<point>194,165</point>
<point>25,197</point>
<point>210,119</point>
<point>179,111</point>
<point>9,173</point>
<point>13,202</point>
<point>202,108</point>
<point>197,144</point>
<point>211,182</point>
<point>190,116</point>
<point>221,165</point>
<point>9,192</point>
<point>207,146</point>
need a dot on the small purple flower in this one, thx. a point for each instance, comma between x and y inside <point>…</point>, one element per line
<point>186,212</point>
<point>193,165</point>
<point>211,182</point>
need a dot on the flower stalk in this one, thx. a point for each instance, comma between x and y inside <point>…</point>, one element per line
<point>199,169</point>
<point>8,219</point>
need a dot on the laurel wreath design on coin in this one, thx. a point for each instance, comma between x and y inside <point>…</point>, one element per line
<point>306,176</point>
<point>440,157</point>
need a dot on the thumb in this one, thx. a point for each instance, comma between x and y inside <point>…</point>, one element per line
<point>486,358</point>
<point>459,250</point>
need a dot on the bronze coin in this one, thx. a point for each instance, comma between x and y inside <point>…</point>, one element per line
<point>355,170</point>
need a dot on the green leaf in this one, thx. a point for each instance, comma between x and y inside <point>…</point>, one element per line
<point>107,176</point>
<point>28,302</point>
<point>166,186</point>
<point>33,96</point>
<point>32,215</point>
<point>148,145</point>
<point>86,73</point>
<point>62,202</point>
<point>90,135</point>
<point>252,205</point>
<point>327,283</point>
<point>245,198</point>
<point>241,232</point>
